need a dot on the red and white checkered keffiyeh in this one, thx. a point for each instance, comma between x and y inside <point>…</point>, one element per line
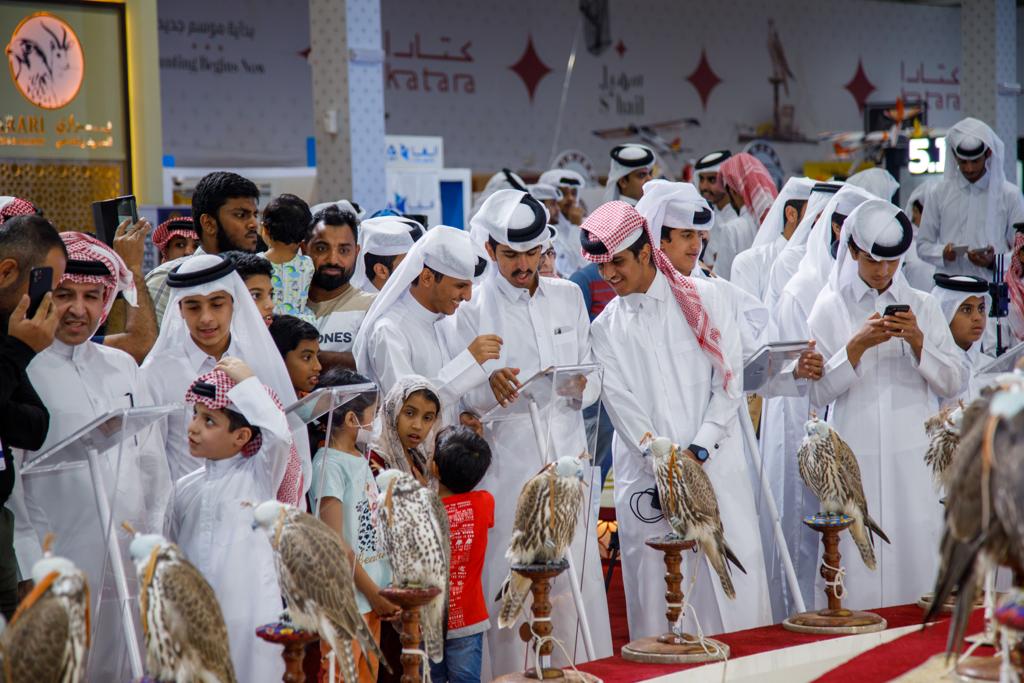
<point>84,247</point>
<point>180,226</point>
<point>290,490</point>
<point>12,206</point>
<point>612,223</point>
<point>748,176</point>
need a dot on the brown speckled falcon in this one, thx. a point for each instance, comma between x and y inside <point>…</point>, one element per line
<point>983,527</point>
<point>186,638</point>
<point>690,506</point>
<point>830,470</point>
<point>48,638</point>
<point>943,430</point>
<point>316,580</point>
<point>545,523</point>
<point>414,528</point>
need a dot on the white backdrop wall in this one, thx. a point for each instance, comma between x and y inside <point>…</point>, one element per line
<point>448,72</point>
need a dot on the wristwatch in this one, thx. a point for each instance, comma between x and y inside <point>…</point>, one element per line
<point>699,451</point>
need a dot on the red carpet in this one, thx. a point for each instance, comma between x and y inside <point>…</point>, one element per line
<point>742,643</point>
<point>894,659</point>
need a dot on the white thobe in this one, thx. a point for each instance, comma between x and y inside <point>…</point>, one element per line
<point>729,239</point>
<point>550,328</point>
<point>782,431</point>
<point>751,268</point>
<point>918,272</point>
<point>957,212</point>
<point>879,408</point>
<point>568,255</point>
<point>407,340</point>
<point>757,329</point>
<point>973,359</point>
<point>725,214</point>
<point>657,379</point>
<point>79,384</point>
<point>168,380</point>
<point>206,517</point>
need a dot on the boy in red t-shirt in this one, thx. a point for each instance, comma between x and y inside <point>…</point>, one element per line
<point>461,459</point>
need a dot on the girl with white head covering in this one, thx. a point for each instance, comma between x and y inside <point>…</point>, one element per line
<point>402,445</point>
<point>974,205</point>
<point>179,355</point>
<point>886,373</point>
<point>965,302</point>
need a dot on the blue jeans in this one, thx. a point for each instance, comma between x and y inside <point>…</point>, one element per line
<point>463,659</point>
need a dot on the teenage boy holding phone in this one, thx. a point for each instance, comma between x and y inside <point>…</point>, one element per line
<point>891,359</point>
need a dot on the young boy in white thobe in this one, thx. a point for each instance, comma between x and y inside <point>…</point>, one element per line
<point>888,369</point>
<point>965,301</point>
<point>211,314</point>
<point>242,441</point>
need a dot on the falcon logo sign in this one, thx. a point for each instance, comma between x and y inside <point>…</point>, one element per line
<point>46,60</point>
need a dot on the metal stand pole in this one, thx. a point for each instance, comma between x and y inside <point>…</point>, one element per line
<point>577,595</point>
<point>114,555</point>
<point>773,510</point>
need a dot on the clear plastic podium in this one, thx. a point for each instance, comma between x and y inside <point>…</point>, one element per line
<point>545,422</point>
<point>322,407</point>
<point>112,470</point>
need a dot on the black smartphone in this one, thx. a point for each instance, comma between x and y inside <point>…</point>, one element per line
<point>40,281</point>
<point>893,309</point>
<point>110,213</point>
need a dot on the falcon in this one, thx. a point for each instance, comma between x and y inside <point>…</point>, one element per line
<point>829,469</point>
<point>186,638</point>
<point>545,523</point>
<point>316,579</point>
<point>943,432</point>
<point>984,522</point>
<point>690,506</point>
<point>47,639</point>
<point>414,527</point>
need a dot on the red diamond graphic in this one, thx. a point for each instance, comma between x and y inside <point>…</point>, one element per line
<point>530,68</point>
<point>620,47</point>
<point>860,87</point>
<point>704,79</point>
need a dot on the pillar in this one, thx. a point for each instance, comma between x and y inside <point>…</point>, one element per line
<point>348,100</point>
<point>988,69</point>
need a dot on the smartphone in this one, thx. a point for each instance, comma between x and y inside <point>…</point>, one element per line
<point>893,309</point>
<point>110,213</point>
<point>40,281</point>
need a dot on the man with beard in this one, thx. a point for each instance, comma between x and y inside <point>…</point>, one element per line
<point>710,185</point>
<point>338,306</point>
<point>225,213</point>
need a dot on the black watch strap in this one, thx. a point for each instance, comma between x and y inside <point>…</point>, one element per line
<point>699,451</point>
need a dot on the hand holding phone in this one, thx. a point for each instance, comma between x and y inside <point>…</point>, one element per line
<point>108,214</point>
<point>36,330</point>
<point>892,309</point>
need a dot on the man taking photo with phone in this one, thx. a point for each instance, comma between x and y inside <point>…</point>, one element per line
<point>27,243</point>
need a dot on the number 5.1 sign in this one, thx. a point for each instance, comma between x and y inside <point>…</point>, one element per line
<point>927,155</point>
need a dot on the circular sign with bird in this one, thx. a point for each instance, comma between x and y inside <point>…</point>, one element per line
<point>46,60</point>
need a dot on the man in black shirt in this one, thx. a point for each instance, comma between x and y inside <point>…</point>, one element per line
<point>26,242</point>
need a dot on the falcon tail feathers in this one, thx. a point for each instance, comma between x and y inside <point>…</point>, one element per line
<point>513,595</point>
<point>860,535</point>
<point>875,529</point>
<point>432,622</point>
<point>717,552</point>
<point>731,556</point>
